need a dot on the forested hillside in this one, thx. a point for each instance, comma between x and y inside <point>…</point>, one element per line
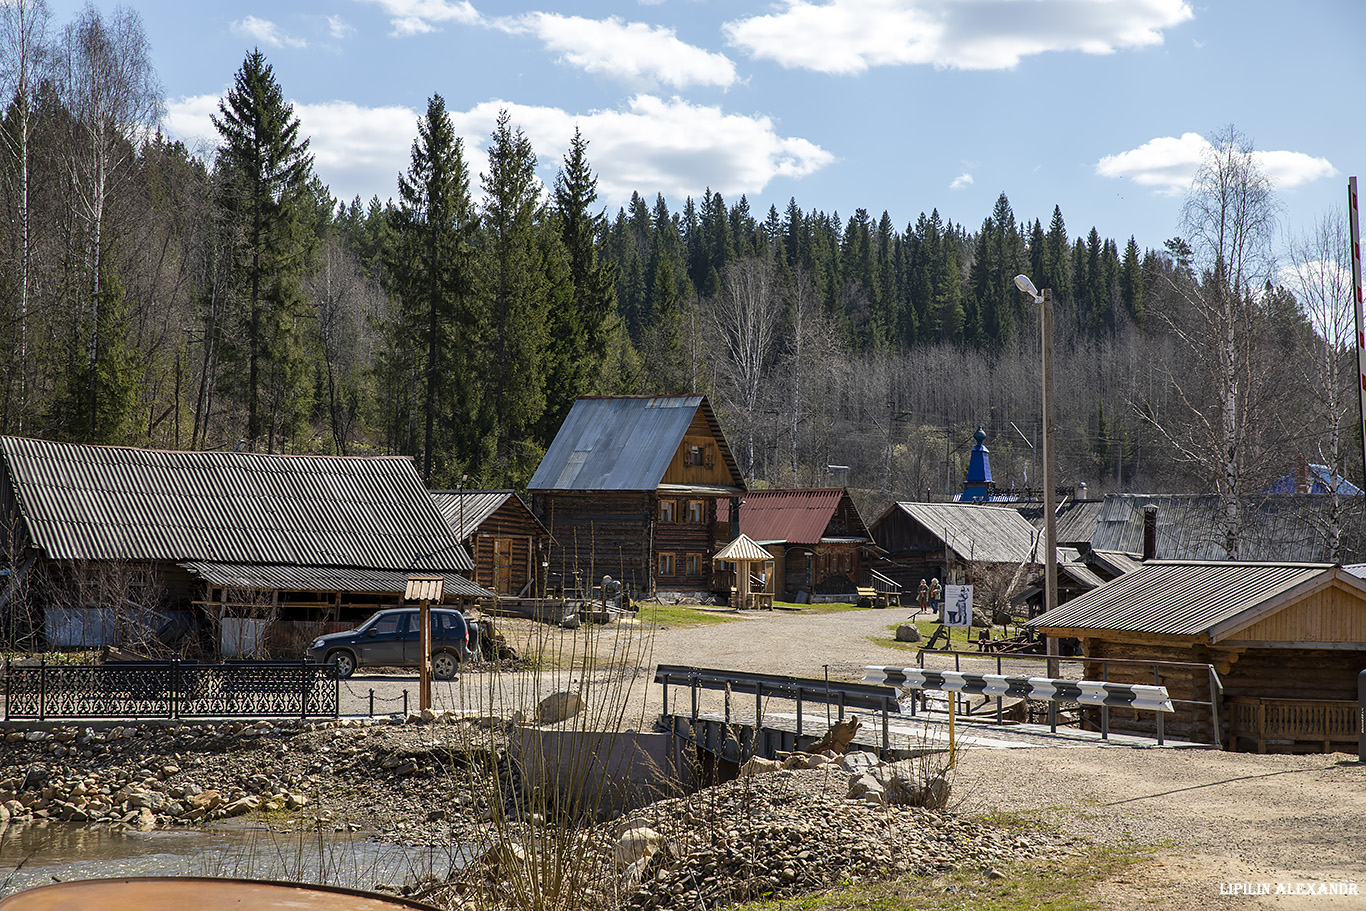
<point>155,296</point>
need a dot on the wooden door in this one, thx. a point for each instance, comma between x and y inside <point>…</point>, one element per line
<point>502,566</point>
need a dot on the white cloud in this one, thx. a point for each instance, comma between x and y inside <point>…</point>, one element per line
<point>1167,164</point>
<point>652,145</point>
<point>633,52</point>
<point>266,32</point>
<point>416,17</point>
<point>849,36</point>
<point>339,28</point>
<point>961,182</point>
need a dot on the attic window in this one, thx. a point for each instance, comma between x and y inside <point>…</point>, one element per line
<point>693,457</point>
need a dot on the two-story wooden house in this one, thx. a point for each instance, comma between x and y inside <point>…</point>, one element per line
<point>629,489</point>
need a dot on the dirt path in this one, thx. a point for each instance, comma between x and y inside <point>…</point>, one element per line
<point>1216,819</point>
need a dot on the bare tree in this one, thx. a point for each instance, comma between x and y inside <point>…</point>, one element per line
<point>108,85</point>
<point>23,54</point>
<point>1220,380</point>
<point>746,315</point>
<point>1319,274</point>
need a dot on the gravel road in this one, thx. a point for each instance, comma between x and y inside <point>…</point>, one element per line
<point>1216,819</point>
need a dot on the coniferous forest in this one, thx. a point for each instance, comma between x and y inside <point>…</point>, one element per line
<point>152,296</point>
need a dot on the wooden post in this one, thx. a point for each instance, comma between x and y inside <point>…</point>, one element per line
<point>424,647</point>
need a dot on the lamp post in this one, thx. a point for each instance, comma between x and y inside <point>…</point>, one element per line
<point>1050,572</point>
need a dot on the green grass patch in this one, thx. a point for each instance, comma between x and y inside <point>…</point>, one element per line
<point>678,616</point>
<point>836,608</point>
<point>1068,884</point>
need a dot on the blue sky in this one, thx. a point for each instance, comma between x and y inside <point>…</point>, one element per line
<point>1099,106</point>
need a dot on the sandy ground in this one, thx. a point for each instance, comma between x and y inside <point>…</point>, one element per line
<point>1218,821</point>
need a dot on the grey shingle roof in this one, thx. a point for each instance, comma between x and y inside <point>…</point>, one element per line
<point>991,534</point>
<point>114,503</point>
<point>1181,598</point>
<point>622,443</point>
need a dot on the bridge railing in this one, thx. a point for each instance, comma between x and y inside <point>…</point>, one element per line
<point>801,690</point>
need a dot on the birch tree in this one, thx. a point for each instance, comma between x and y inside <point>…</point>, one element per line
<point>746,314</point>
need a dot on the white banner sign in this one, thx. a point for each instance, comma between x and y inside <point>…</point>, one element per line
<point>957,609</point>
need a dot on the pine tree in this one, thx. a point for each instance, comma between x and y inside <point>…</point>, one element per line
<point>1131,282</point>
<point>266,169</point>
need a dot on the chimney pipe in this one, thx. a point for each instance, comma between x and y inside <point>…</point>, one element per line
<point>1149,532</point>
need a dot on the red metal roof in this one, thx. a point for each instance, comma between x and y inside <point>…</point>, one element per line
<point>794,516</point>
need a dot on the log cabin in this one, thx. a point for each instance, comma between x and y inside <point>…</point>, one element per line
<point>1286,641</point>
<point>816,536</point>
<point>502,536</point>
<point>946,541</point>
<point>628,488</point>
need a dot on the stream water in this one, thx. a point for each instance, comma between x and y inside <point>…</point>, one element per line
<point>33,855</point>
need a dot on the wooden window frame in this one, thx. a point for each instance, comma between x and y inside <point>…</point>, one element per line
<point>668,512</point>
<point>700,507</point>
<point>665,565</point>
<point>693,564</point>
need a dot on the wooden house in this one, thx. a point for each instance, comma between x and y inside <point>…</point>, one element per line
<point>629,489</point>
<point>1285,642</point>
<point>504,539</point>
<point>948,540</point>
<point>816,536</point>
<point>110,545</point>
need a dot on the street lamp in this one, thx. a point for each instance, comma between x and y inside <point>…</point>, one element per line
<point>1050,572</point>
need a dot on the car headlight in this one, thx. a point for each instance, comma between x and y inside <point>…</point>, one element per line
<point>317,643</point>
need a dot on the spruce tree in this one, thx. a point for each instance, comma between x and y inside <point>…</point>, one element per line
<point>265,175</point>
<point>431,264</point>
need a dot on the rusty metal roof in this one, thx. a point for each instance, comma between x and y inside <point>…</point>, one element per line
<point>797,516</point>
<point>101,503</point>
<point>624,443</point>
<point>273,576</point>
<point>466,510</point>
<point>1183,598</point>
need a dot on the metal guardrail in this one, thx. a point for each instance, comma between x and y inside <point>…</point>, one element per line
<point>171,689</point>
<point>799,689</point>
<point>1216,686</point>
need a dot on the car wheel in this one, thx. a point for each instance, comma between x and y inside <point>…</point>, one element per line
<point>344,662</point>
<point>444,665</point>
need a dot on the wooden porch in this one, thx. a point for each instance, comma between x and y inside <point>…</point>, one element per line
<point>1294,725</point>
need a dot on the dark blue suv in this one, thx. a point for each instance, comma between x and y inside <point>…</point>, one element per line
<point>389,639</point>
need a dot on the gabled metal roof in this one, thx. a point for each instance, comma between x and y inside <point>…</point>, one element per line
<point>1183,598</point>
<point>1074,523</point>
<point>799,516</point>
<point>473,507</point>
<point>977,532</point>
<point>267,577</point>
<point>624,443</point>
<point>105,503</point>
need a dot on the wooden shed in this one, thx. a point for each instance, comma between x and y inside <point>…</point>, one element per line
<point>111,545</point>
<point>629,487</point>
<point>929,540</point>
<point>1286,640</point>
<point>502,536</point>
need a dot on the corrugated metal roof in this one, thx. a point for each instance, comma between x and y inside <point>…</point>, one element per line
<point>976,532</point>
<point>798,516</point>
<point>115,503</point>
<point>1074,522</point>
<point>267,577</point>
<point>473,507</point>
<point>623,443</point>
<point>743,549</point>
<point>1114,562</point>
<point>1189,527</point>
<point>1180,598</point>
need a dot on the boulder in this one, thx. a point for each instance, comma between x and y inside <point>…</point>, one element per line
<point>557,707</point>
<point>756,765</point>
<point>636,844</point>
<point>908,632</point>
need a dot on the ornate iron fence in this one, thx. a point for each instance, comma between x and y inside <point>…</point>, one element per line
<point>172,689</point>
